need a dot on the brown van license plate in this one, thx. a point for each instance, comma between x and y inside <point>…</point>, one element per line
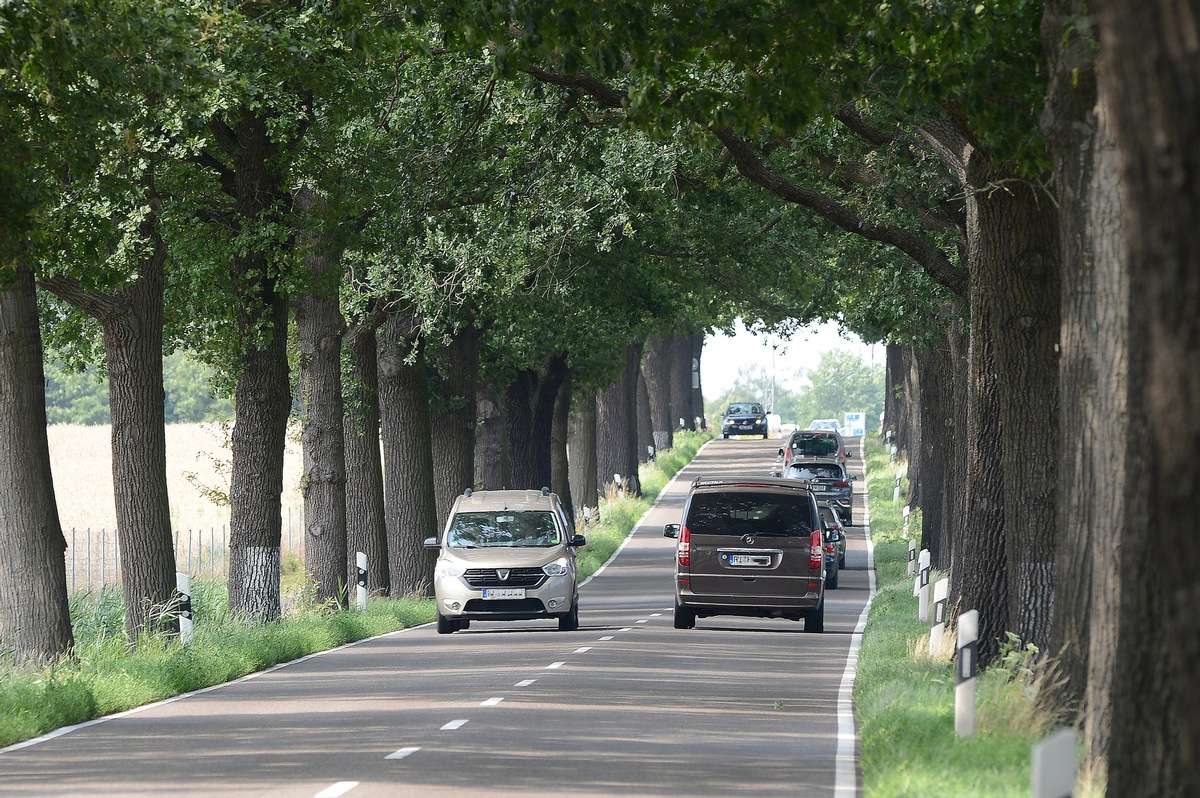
<point>751,560</point>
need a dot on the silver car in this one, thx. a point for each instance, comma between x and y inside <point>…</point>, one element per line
<point>506,555</point>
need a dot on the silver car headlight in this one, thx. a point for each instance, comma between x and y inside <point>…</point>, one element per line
<point>449,569</point>
<point>559,567</point>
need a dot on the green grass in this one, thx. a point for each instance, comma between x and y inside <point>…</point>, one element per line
<point>108,675</point>
<point>904,700</point>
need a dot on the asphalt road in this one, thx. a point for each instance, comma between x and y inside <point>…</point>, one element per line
<point>627,705</point>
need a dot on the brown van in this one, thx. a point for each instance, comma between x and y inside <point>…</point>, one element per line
<point>750,546</point>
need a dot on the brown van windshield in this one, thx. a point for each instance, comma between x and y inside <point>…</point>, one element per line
<point>745,512</point>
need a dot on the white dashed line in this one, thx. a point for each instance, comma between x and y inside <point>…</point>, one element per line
<point>583,650</point>
<point>655,614</point>
<point>643,621</point>
<point>491,702</point>
<point>626,629</point>
<point>555,665</point>
<point>341,788</point>
<point>607,637</point>
<point>455,724</point>
<point>402,753</point>
<point>525,682</point>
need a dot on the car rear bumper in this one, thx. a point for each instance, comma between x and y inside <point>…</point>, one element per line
<point>757,606</point>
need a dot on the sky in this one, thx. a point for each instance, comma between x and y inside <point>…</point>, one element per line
<point>724,356</point>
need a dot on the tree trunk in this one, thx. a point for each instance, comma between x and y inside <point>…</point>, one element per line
<point>410,507</point>
<point>914,386</point>
<point>366,527</point>
<point>263,397</point>
<point>937,440</point>
<point>560,480</point>
<point>491,454</point>
<point>518,429</point>
<point>646,446</point>
<point>1087,506</point>
<point>697,391</point>
<point>453,416</point>
<point>1017,248</point>
<point>581,452</point>
<point>681,381</point>
<point>132,322</point>
<point>658,372</point>
<point>983,582</point>
<point>529,422</point>
<point>955,503</point>
<point>616,426</point>
<point>35,622</point>
<point>320,328</point>
<point>1149,78</point>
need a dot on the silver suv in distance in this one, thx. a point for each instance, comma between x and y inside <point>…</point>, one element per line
<point>506,555</point>
<point>750,546</point>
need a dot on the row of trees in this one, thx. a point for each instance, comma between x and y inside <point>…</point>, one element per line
<point>609,179</point>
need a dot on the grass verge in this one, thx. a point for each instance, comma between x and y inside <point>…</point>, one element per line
<point>904,698</point>
<point>107,675</point>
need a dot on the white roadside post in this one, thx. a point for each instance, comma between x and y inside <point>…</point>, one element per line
<point>967,662</point>
<point>912,560</point>
<point>361,580</point>
<point>923,586</point>
<point>937,632</point>
<point>183,583</point>
<point>905,513</point>
<point>1054,767</point>
<point>896,490</point>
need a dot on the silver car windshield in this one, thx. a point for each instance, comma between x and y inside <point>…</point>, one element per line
<point>503,528</point>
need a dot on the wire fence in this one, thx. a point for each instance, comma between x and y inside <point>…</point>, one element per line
<point>93,557</point>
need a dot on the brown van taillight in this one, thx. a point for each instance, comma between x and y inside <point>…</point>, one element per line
<point>816,551</point>
<point>685,547</point>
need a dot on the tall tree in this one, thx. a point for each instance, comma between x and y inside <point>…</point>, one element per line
<point>1149,79</point>
<point>35,623</point>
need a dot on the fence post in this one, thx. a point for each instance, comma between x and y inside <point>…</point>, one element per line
<point>937,632</point>
<point>183,584</point>
<point>1054,766</point>
<point>923,586</point>
<point>966,664</point>
<point>362,580</point>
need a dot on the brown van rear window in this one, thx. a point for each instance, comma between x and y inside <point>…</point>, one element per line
<point>740,513</point>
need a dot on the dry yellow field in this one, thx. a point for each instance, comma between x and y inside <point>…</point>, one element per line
<point>198,460</point>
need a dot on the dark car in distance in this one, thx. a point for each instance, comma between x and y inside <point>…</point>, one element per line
<point>744,418</point>
<point>749,546</point>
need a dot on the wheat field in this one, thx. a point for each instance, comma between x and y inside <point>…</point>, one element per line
<point>198,460</point>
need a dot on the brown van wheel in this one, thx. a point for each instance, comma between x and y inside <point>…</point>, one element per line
<point>815,620</point>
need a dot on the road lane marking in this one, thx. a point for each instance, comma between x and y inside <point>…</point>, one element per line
<point>607,637</point>
<point>626,629</point>
<point>643,621</point>
<point>402,753</point>
<point>583,650</point>
<point>455,724</point>
<point>845,784</point>
<point>491,702</point>
<point>525,682</point>
<point>655,614</point>
<point>555,665</point>
<point>341,788</point>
